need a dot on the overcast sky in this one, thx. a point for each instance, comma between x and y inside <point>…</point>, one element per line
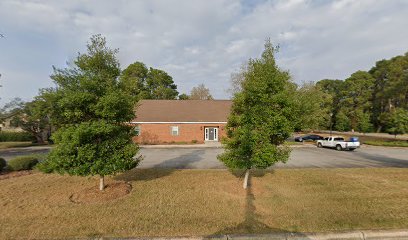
<point>199,41</point>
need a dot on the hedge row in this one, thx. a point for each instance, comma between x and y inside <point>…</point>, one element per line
<point>15,137</point>
<point>19,163</point>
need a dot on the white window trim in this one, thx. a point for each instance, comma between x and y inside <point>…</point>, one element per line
<point>172,130</point>
<point>139,129</point>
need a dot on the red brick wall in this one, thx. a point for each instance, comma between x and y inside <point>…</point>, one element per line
<point>154,133</point>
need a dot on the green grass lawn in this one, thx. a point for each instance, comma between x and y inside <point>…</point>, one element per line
<point>207,202</point>
<point>387,143</point>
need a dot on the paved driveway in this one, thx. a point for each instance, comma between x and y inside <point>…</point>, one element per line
<point>302,157</point>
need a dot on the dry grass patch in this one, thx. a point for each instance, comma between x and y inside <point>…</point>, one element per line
<point>162,202</point>
<point>207,202</point>
<point>333,199</point>
<point>4,145</point>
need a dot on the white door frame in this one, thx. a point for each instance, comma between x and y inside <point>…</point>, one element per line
<point>207,134</point>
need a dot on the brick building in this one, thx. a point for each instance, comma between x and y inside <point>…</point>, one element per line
<point>167,121</point>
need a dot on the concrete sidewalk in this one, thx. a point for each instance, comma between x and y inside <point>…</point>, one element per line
<point>352,235</point>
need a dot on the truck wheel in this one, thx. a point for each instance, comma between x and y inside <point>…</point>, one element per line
<point>338,147</point>
<point>319,145</point>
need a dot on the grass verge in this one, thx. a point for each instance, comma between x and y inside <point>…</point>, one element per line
<point>388,143</point>
<point>207,202</point>
<point>4,145</point>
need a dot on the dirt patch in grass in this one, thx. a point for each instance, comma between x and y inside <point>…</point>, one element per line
<point>111,192</point>
<point>13,174</point>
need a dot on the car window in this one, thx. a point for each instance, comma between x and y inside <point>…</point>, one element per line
<point>326,138</point>
<point>338,139</point>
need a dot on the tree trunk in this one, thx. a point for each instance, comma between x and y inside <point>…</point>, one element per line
<point>39,138</point>
<point>245,185</point>
<point>101,182</point>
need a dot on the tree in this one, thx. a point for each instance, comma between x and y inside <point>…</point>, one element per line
<point>357,94</point>
<point>237,78</point>
<point>313,107</point>
<point>34,119</point>
<point>144,83</point>
<point>390,88</point>
<point>334,89</point>
<point>261,117</point>
<point>93,138</point>
<point>398,122</point>
<point>183,97</point>
<point>200,93</point>
<point>11,109</point>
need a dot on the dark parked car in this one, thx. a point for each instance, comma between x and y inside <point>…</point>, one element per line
<point>308,137</point>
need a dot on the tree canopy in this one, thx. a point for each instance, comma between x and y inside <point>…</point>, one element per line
<point>92,109</point>
<point>200,93</point>
<point>262,116</point>
<point>147,83</point>
<point>366,101</point>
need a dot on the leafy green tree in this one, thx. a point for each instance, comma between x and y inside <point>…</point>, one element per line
<point>200,93</point>
<point>364,124</point>
<point>261,117</point>
<point>183,97</point>
<point>313,107</point>
<point>342,122</point>
<point>390,88</point>
<point>93,138</point>
<point>334,88</point>
<point>357,95</point>
<point>35,120</point>
<point>11,109</point>
<point>144,83</point>
<point>398,122</point>
<point>133,80</point>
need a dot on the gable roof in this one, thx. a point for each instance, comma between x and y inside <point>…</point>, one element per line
<point>179,111</point>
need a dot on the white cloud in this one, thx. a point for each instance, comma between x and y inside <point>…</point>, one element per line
<point>200,41</point>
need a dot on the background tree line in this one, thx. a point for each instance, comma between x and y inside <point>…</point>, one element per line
<point>373,101</point>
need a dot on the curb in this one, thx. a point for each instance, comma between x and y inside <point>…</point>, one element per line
<point>25,148</point>
<point>181,146</point>
<point>352,235</point>
<point>208,146</point>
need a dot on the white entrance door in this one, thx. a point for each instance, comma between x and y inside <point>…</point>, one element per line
<point>211,134</point>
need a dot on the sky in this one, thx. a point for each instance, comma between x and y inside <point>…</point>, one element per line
<point>199,41</point>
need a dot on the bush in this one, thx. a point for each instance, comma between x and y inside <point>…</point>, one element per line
<point>3,164</point>
<point>15,137</point>
<point>22,163</point>
<point>194,141</point>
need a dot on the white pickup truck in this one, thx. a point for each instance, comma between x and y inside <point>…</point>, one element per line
<point>339,143</point>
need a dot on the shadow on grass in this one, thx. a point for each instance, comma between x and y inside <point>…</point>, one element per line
<point>251,224</point>
<point>143,174</point>
<point>162,169</point>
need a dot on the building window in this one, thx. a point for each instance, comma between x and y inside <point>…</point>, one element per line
<point>174,130</point>
<point>137,130</point>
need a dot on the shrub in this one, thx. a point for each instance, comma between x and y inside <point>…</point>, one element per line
<point>3,164</point>
<point>194,141</point>
<point>15,137</point>
<point>22,163</point>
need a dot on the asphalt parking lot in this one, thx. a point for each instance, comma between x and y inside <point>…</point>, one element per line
<point>301,157</point>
